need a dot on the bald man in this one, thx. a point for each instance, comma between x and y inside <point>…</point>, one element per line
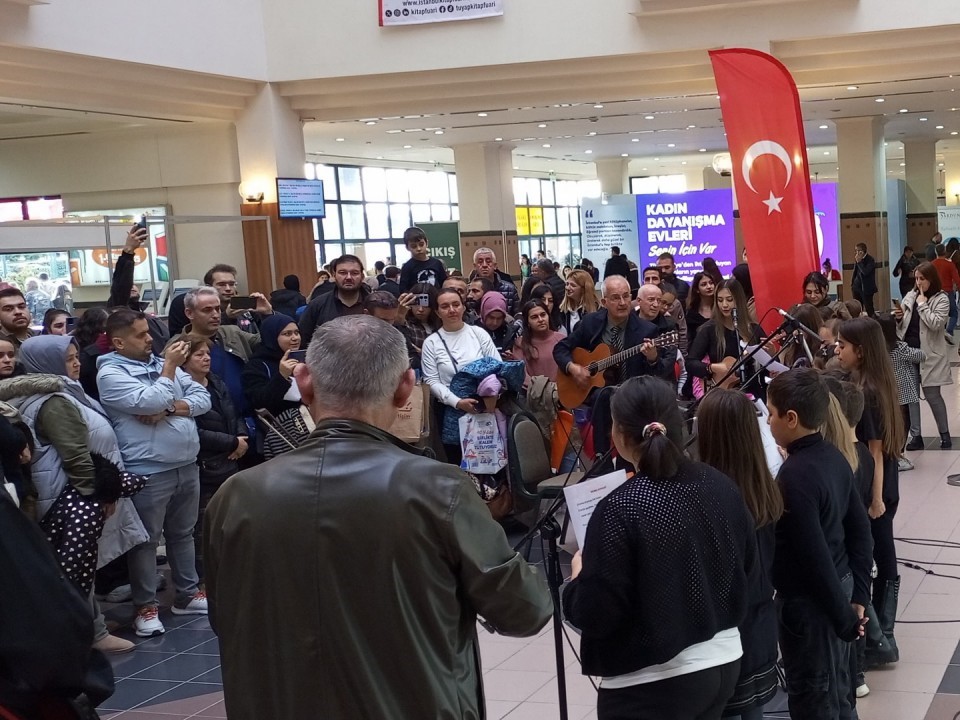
<point>620,328</point>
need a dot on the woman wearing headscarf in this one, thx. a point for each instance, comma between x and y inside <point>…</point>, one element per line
<point>268,383</point>
<point>76,468</point>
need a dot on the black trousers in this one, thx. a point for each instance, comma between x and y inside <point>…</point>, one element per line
<point>697,696</point>
<point>884,548</point>
<point>820,667</point>
<point>866,301</point>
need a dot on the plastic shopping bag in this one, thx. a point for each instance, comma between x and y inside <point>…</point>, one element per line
<point>484,451</point>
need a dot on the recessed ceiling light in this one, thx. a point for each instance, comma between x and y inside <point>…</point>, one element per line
<point>655,159</point>
<point>648,117</point>
<point>598,106</point>
<point>939,164</point>
<point>498,139</point>
<point>826,152</point>
<point>438,132</point>
<point>643,169</point>
<point>339,139</point>
<point>923,119</point>
<point>702,150</point>
<point>546,145</point>
<point>393,132</point>
<point>853,87</point>
<point>516,167</point>
<point>885,144</point>
<point>624,155</point>
<point>954,132</point>
<point>671,145</point>
<point>592,133</point>
<point>880,100</point>
<point>903,110</point>
<point>683,162</point>
<point>371,122</point>
<point>588,152</point>
<point>939,127</point>
<point>542,125</point>
<point>379,157</point>
<point>691,127</point>
<point>903,164</point>
<point>824,127</point>
<point>481,114</point>
<point>407,147</point>
<point>635,140</point>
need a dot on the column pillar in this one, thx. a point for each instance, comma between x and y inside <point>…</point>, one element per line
<point>920,157</point>
<point>488,215</point>
<point>614,175</point>
<point>270,145</point>
<point>863,199</point>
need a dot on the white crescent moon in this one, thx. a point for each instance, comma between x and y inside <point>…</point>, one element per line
<point>765,147</point>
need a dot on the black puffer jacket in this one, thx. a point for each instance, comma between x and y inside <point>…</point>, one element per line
<point>218,429</point>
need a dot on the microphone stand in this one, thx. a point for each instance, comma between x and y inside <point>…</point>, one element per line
<point>786,324</point>
<point>793,339</point>
<point>549,528</point>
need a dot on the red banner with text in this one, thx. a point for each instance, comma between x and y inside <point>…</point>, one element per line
<point>761,114</point>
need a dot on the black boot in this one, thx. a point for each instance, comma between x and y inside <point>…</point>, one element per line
<point>887,592</point>
<point>915,444</point>
<point>878,650</point>
<point>945,442</point>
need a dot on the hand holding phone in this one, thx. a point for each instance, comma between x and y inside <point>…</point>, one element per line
<point>243,302</point>
<point>298,355</point>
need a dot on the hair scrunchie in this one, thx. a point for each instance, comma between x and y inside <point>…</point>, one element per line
<point>654,428</point>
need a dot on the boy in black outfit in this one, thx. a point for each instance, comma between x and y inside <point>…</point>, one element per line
<point>421,268</point>
<point>821,570</point>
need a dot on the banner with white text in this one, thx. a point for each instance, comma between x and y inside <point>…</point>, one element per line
<point>416,12</point>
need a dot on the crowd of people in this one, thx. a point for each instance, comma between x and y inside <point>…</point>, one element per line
<point>225,433</point>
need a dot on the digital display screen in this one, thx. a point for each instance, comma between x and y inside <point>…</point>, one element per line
<point>300,198</point>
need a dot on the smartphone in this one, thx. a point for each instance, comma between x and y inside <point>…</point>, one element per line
<point>422,300</point>
<point>896,303</point>
<point>243,302</point>
<point>71,323</point>
<point>143,222</point>
<point>298,355</point>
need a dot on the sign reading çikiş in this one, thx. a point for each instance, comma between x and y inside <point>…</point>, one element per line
<point>415,12</point>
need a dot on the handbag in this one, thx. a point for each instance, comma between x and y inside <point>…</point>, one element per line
<point>412,422</point>
<point>484,450</point>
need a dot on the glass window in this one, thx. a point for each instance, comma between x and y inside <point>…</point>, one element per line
<point>454,198</point>
<point>329,176</point>
<point>310,171</point>
<point>563,223</point>
<point>331,225</point>
<point>574,220</point>
<point>421,213</point>
<point>439,188</point>
<point>353,225</point>
<point>519,191</point>
<point>378,225</point>
<point>673,183</point>
<point>399,219</point>
<point>587,189</point>
<point>440,212</point>
<point>376,251</point>
<point>400,253</point>
<point>419,183</point>
<point>332,251</point>
<point>533,191</point>
<point>546,192</point>
<point>566,192</point>
<point>374,184</point>
<point>397,185</point>
<point>644,185</point>
<point>350,187</point>
<point>550,220</point>
<point>11,211</point>
<point>455,212</point>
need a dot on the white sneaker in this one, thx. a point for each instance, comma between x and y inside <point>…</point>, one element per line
<point>196,606</point>
<point>903,464</point>
<point>862,691</point>
<point>147,624</point>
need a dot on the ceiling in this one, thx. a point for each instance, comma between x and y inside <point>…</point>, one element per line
<point>659,110</point>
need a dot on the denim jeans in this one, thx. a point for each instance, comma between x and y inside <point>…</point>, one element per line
<point>819,666</point>
<point>169,503</point>
<point>952,321</point>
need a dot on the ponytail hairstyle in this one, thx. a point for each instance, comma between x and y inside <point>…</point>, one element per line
<point>836,432</point>
<point>743,315</point>
<point>646,416</point>
<point>875,377</point>
<point>729,440</point>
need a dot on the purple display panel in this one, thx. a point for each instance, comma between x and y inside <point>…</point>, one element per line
<point>691,226</point>
<point>825,209</point>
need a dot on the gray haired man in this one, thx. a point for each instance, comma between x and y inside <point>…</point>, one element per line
<point>485,266</point>
<point>356,559</point>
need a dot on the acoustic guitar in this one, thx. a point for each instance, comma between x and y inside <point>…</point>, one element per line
<point>597,362</point>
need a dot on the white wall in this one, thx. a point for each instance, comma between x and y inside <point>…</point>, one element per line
<point>341,37</point>
<point>223,37</point>
<point>194,170</point>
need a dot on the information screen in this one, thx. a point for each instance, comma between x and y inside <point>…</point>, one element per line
<point>300,198</point>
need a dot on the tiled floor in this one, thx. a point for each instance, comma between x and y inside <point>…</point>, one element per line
<point>177,676</point>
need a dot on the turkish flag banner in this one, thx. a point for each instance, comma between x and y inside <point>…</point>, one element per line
<point>761,114</point>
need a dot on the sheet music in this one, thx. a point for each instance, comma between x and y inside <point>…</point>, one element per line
<point>582,500</point>
<point>775,367</point>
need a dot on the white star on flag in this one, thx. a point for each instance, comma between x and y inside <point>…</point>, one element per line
<point>773,203</point>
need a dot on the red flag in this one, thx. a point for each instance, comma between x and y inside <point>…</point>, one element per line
<point>761,114</point>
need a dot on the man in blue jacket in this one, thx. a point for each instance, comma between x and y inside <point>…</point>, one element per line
<point>152,404</point>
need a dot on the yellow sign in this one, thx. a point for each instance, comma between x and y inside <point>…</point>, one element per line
<point>536,221</point>
<point>523,221</point>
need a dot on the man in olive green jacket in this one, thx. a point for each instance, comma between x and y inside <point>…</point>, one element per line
<point>345,577</point>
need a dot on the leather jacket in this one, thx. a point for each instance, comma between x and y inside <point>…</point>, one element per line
<point>345,579</point>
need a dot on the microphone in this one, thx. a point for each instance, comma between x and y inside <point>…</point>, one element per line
<point>799,325</point>
<point>742,370</point>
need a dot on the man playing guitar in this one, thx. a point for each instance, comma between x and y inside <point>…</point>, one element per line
<point>619,327</point>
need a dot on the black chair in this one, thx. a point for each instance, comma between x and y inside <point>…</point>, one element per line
<point>528,461</point>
